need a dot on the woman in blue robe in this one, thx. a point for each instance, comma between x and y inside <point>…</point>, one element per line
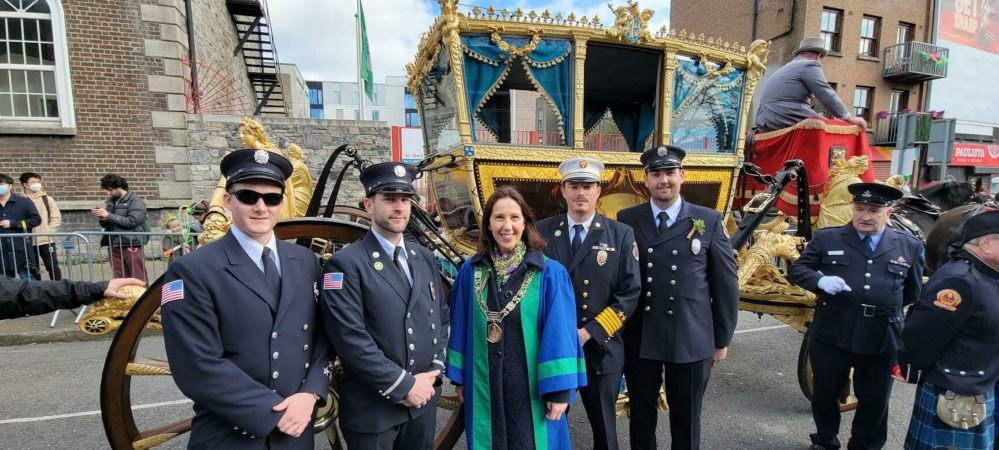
<point>514,353</point>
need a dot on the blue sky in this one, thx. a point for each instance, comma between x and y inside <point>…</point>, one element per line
<point>319,37</point>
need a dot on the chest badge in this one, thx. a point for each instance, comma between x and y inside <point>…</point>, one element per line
<point>695,246</point>
<point>379,266</point>
<point>602,257</point>
<point>558,233</point>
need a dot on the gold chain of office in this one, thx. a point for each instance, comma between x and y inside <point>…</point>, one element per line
<point>494,319</point>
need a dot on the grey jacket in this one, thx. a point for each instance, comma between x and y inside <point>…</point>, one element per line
<point>784,97</point>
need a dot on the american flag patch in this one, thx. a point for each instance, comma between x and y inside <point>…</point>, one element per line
<point>333,280</point>
<point>173,290</point>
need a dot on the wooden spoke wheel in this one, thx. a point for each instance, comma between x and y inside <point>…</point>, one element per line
<point>122,362</point>
<point>806,382</point>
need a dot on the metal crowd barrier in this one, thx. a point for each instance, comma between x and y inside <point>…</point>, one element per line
<point>80,256</point>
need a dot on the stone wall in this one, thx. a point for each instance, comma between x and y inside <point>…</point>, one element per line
<point>215,38</point>
<point>210,137</point>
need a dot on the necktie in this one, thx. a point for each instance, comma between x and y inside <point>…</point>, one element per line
<point>398,264</point>
<point>271,272</point>
<point>869,245</point>
<point>577,238</point>
<point>663,221</point>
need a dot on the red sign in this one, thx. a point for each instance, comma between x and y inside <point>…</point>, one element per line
<point>972,23</point>
<point>975,155</point>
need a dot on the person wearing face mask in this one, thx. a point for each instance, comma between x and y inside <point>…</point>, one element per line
<point>17,215</point>
<point>123,214</point>
<point>48,209</point>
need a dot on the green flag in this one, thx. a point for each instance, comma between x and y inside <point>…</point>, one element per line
<point>365,59</point>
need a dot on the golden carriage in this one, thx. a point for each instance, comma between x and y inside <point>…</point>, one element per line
<point>504,97</point>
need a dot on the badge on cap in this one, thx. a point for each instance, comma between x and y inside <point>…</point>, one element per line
<point>261,156</point>
<point>948,299</point>
<point>663,151</point>
<point>866,194</point>
<point>400,171</point>
<point>583,164</point>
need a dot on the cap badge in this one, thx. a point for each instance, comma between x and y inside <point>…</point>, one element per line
<point>866,194</point>
<point>261,156</point>
<point>400,171</point>
<point>663,151</point>
<point>583,164</point>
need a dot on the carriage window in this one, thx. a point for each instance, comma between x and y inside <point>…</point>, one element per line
<point>438,105</point>
<point>519,99</point>
<point>455,205</point>
<point>620,97</point>
<point>707,105</point>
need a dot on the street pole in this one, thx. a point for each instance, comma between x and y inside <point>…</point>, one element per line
<point>360,81</point>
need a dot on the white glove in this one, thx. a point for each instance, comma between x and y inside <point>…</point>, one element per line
<point>833,285</point>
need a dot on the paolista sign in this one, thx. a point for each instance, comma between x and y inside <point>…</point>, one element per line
<point>975,155</point>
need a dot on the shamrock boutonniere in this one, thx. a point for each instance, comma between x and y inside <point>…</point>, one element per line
<point>698,227</point>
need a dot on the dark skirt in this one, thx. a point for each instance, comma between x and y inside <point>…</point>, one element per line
<point>928,432</point>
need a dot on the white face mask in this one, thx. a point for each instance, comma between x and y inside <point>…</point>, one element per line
<point>35,187</point>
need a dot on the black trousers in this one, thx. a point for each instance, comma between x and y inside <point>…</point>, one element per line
<point>599,398</point>
<point>47,254</point>
<point>417,434</point>
<point>685,385</point>
<point>872,385</point>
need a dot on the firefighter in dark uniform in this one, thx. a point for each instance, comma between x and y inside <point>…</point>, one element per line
<point>863,273</point>
<point>950,341</point>
<point>602,261</point>
<point>240,321</point>
<point>688,306</point>
<point>388,320</point>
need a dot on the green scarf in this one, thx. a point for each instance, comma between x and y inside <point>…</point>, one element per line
<point>504,265</point>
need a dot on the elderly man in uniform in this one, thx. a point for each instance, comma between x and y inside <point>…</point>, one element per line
<point>687,308</point>
<point>950,341</point>
<point>784,97</point>
<point>602,260</point>
<point>386,316</point>
<point>240,319</point>
<point>863,273</point>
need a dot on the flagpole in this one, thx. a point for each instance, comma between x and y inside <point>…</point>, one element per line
<point>360,81</point>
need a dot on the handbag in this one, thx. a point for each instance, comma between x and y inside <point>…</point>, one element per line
<point>961,411</point>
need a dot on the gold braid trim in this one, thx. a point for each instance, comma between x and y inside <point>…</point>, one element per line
<point>136,369</point>
<point>551,102</point>
<point>153,441</point>
<point>552,63</point>
<point>480,57</point>
<point>812,124</point>
<point>489,94</point>
<point>610,321</point>
<point>516,51</point>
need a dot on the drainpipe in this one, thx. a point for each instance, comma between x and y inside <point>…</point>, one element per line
<point>756,14</point>
<point>191,55</point>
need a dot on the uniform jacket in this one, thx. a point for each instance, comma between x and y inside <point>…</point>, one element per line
<point>19,298</point>
<point>690,299</point>
<point>48,210</point>
<point>952,333</point>
<point>605,281</point>
<point>884,282</point>
<point>234,353</point>
<point>125,215</point>
<point>384,331</point>
<point>784,97</point>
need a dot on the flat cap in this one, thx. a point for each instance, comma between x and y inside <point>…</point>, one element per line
<point>250,164</point>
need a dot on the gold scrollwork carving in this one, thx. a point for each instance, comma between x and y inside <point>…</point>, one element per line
<point>513,50</point>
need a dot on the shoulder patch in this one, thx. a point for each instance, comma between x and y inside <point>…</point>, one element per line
<point>948,299</point>
<point>332,280</point>
<point>634,250</point>
<point>173,290</point>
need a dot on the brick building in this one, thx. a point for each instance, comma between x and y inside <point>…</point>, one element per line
<point>90,87</point>
<point>870,72</point>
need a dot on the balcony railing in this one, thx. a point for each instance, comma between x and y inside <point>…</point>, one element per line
<point>886,127</point>
<point>915,61</point>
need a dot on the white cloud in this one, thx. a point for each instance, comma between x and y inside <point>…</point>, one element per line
<point>319,35</point>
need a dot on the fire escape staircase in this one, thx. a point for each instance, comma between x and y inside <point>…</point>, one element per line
<point>256,43</point>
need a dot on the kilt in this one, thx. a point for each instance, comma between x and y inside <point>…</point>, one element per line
<point>927,432</point>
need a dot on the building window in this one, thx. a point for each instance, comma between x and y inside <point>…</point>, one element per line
<point>357,114</point>
<point>334,97</point>
<point>831,24</point>
<point>905,33</point>
<point>315,99</point>
<point>899,100</point>
<point>412,119</point>
<point>375,116</point>
<point>870,28</point>
<point>34,75</point>
<point>862,97</point>
<point>339,114</point>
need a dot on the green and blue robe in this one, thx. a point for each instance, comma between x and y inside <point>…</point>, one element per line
<point>539,358</point>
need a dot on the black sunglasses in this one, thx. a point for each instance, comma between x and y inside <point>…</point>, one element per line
<point>250,197</point>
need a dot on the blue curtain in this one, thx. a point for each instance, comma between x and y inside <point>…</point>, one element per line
<point>550,65</point>
<point>719,99</point>
<point>635,120</point>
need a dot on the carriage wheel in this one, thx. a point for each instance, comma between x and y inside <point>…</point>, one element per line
<point>122,363</point>
<point>96,326</point>
<point>847,400</point>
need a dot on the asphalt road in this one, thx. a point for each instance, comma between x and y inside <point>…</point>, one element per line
<point>49,397</point>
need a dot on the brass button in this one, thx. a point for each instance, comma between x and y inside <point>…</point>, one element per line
<point>586,294</point>
<point>674,252</point>
<point>648,308</point>
<point>585,307</point>
<point>586,282</point>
